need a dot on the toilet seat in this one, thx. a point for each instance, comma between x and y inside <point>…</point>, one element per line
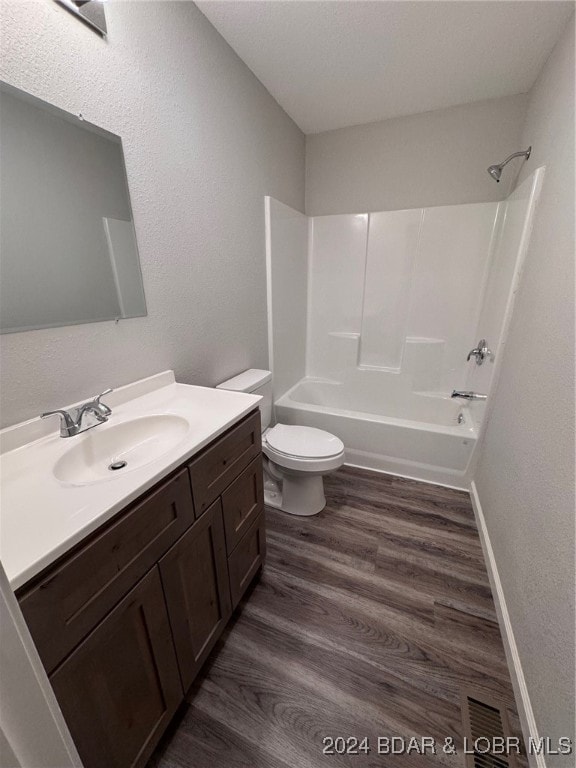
<point>305,449</point>
<point>303,442</point>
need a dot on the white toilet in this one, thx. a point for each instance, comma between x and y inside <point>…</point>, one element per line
<point>295,458</point>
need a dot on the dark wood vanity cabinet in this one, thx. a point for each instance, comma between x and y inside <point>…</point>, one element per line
<point>197,588</point>
<point>124,622</point>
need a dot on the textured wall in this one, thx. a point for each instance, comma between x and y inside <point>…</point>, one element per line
<point>434,158</point>
<point>525,475</point>
<point>204,142</point>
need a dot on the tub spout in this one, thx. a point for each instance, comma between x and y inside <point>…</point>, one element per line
<point>468,395</point>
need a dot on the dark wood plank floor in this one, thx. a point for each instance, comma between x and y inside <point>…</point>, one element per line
<point>367,621</point>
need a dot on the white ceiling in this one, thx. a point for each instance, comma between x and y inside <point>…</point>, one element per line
<point>333,64</point>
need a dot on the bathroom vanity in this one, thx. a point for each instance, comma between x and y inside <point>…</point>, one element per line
<point>124,618</point>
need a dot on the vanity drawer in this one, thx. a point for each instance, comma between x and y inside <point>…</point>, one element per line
<point>242,502</point>
<point>223,461</point>
<point>247,558</point>
<point>73,596</point>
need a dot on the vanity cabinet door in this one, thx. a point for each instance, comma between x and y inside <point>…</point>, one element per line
<point>247,558</point>
<point>119,689</point>
<point>195,579</point>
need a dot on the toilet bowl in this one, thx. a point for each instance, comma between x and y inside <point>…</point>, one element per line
<point>295,457</point>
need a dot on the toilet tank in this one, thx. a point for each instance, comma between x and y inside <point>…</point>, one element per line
<point>255,382</point>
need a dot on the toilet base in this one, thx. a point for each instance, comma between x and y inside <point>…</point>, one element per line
<point>302,496</point>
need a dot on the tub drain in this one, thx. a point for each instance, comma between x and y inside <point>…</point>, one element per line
<point>117,465</point>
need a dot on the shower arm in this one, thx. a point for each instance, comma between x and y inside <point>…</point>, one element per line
<point>525,154</point>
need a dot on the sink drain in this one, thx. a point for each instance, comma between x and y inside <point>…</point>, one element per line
<point>117,465</point>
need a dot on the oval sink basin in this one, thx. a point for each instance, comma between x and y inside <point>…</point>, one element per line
<point>112,450</point>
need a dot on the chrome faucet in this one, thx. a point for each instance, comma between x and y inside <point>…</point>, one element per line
<point>72,421</point>
<point>467,395</point>
<point>481,352</point>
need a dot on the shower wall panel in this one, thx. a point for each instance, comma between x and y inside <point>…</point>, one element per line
<point>393,240</point>
<point>287,269</point>
<point>447,286</point>
<point>513,232</point>
<point>337,259</point>
<point>398,292</point>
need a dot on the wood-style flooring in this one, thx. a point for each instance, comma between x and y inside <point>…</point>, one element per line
<point>367,621</point>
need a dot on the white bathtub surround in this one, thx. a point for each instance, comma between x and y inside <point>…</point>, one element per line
<point>396,300</point>
<point>407,284</point>
<point>392,247</point>
<point>43,515</point>
<point>503,281</point>
<point>287,290</point>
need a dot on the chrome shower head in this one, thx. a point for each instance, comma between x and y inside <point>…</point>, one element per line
<point>496,170</point>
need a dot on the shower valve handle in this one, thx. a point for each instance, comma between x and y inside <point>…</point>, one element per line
<point>481,353</point>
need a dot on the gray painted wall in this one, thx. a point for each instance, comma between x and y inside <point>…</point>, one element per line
<point>204,142</point>
<point>434,158</point>
<point>525,475</point>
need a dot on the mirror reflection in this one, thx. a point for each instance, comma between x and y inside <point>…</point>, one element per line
<point>68,251</point>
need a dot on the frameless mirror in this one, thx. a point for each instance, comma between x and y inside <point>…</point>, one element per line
<point>91,12</point>
<point>68,251</point>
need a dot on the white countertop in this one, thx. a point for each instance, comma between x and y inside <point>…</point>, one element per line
<point>41,518</point>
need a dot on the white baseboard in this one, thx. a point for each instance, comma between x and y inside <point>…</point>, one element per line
<point>525,711</point>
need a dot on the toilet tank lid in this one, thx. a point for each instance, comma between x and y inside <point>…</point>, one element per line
<point>247,381</point>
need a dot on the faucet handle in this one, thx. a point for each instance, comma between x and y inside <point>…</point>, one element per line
<point>473,353</point>
<point>481,353</point>
<point>66,421</point>
<point>64,415</point>
<point>104,409</point>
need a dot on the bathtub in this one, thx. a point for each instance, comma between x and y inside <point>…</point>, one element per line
<point>423,436</point>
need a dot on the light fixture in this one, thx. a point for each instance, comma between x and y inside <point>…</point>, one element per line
<point>91,12</point>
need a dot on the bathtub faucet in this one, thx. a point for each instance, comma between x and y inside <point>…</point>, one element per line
<point>468,395</point>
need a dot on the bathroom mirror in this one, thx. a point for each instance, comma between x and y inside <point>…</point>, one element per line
<point>68,251</point>
<point>91,12</point>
